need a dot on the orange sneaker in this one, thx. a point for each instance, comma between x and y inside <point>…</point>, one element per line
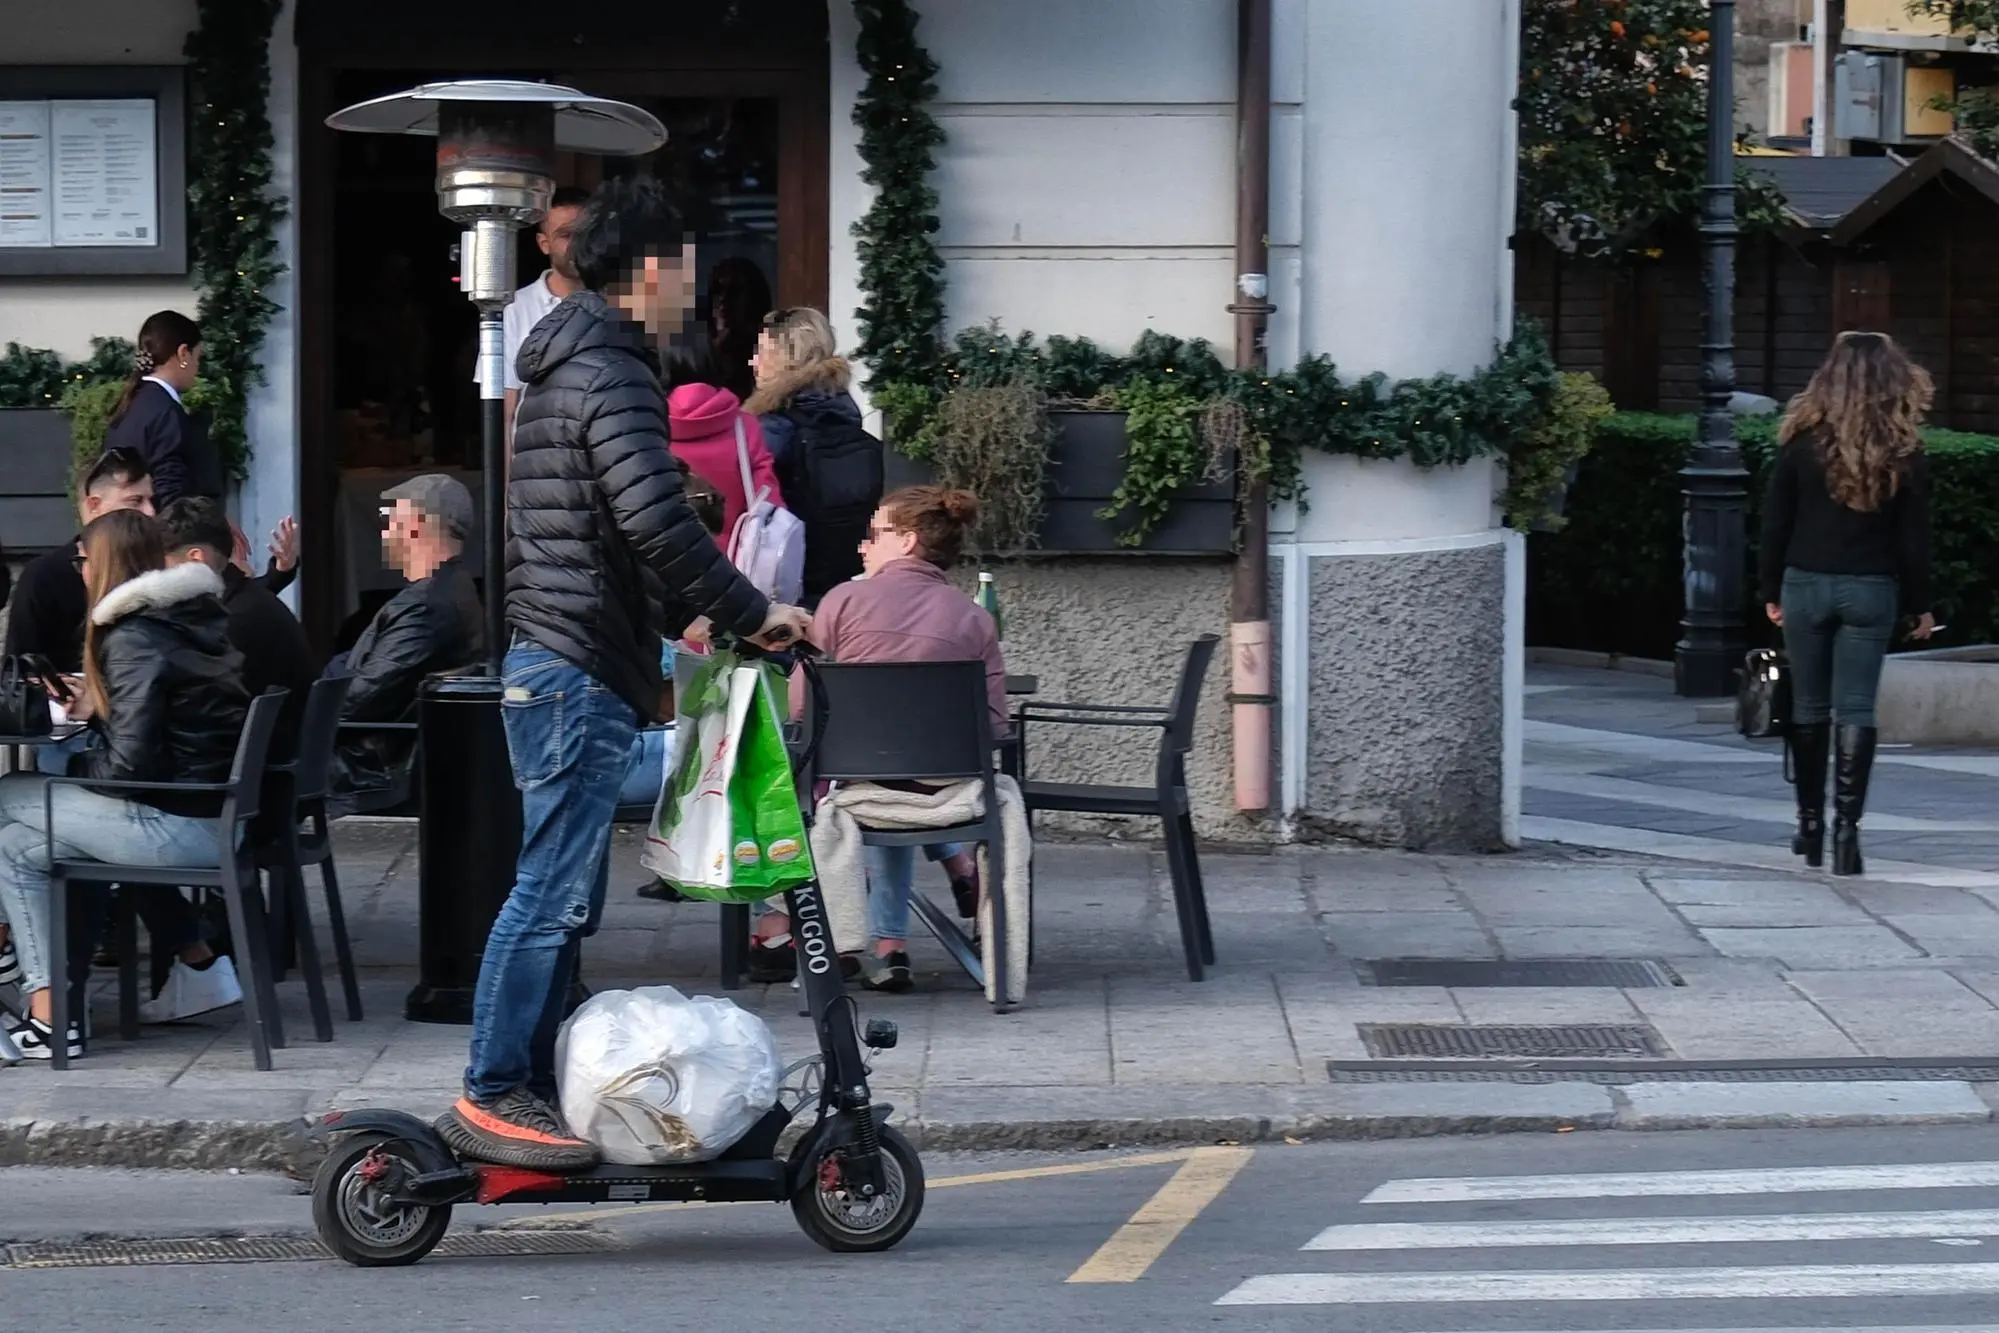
<point>516,1129</point>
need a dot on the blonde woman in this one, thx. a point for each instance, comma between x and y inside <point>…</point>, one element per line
<point>828,466</point>
<point>1846,545</point>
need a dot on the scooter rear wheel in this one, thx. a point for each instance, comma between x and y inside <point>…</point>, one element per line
<point>846,1224</point>
<point>355,1218</point>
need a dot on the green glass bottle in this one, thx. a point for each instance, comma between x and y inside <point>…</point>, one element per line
<point>989,599</point>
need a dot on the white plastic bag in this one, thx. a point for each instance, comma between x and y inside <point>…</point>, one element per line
<point>652,1077</point>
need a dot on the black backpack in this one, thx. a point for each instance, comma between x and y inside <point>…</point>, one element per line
<point>832,479</point>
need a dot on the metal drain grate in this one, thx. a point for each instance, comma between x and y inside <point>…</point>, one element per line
<point>285,1249</point>
<point>1614,1074</point>
<point>1457,1040</point>
<point>1623,973</point>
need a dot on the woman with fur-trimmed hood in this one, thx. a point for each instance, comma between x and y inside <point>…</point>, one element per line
<point>828,466</point>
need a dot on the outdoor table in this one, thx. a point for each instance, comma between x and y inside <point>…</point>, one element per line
<point>20,749</point>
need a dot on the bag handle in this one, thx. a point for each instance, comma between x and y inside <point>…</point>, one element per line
<point>743,462</point>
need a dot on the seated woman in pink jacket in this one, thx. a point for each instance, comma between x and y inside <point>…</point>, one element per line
<point>703,421</point>
<point>903,608</point>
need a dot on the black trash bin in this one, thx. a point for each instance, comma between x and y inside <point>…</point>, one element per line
<point>469,839</point>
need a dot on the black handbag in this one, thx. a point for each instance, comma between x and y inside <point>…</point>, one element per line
<point>1763,704</point>
<point>24,701</point>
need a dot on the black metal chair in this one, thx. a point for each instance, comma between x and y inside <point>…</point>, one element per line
<point>235,876</point>
<point>1166,800</point>
<point>289,845</point>
<point>918,722</point>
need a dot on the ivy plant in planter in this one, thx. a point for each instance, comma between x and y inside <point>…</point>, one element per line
<point>1073,450</point>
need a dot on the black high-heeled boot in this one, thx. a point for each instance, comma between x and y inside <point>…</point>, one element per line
<point>1810,742</point>
<point>1853,749</point>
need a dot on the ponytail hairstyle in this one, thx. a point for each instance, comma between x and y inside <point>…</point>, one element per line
<point>160,338</point>
<point>120,546</point>
<point>939,519</point>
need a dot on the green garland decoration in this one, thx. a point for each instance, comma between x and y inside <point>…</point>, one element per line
<point>902,275</point>
<point>233,213</point>
<point>1168,386</point>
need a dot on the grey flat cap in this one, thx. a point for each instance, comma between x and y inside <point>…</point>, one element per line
<point>442,498</point>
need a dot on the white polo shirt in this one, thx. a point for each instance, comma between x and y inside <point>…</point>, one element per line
<point>529,306</point>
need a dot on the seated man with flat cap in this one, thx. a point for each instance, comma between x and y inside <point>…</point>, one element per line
<point>434,625</point>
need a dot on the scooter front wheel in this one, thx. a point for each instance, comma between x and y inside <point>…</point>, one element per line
<point>841,1219</point>
<point>354,1213</point>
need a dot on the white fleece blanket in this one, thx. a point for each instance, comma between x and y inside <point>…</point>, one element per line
<point>837,853</point>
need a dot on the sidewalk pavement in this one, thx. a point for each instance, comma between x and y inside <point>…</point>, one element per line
<point>1802,1000</point>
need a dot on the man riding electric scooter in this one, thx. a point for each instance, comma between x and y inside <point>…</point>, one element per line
<point>598,530</point>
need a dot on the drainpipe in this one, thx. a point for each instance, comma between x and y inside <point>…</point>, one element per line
<point>1250,698</point>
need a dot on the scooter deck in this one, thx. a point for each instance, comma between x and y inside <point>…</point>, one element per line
<point>697,1182</point>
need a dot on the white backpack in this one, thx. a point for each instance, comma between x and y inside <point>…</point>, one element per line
<point>768,544</point>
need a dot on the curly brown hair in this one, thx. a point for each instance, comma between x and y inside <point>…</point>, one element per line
<point>1862,410</point>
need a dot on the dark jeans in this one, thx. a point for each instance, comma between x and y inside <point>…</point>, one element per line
<point>569,738</point>
<point>1836,630</point>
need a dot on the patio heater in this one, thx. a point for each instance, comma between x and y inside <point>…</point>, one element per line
<point>496,146</point>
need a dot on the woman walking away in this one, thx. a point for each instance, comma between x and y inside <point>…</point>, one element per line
<point>165,693</point>
<point>828,464</point>
<point>1846,543</point>
<point>152,420</point>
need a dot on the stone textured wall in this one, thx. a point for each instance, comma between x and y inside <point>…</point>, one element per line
<point>1115,630</point>
<point>1405,743</point>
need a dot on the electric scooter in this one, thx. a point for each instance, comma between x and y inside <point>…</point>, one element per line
<point>384,1194</point>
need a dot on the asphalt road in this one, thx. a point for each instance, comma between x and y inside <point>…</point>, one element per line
<point>1845,1229</point>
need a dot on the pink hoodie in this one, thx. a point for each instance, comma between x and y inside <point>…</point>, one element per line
<point>703,420</point>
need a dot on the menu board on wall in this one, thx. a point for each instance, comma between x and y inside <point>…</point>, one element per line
<point>24,175</point>
<point>79,174</point>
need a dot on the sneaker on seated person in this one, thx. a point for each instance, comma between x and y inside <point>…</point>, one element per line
<point>193,989</point>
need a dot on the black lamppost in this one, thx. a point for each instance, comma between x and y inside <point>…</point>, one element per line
<point>1714,482</point>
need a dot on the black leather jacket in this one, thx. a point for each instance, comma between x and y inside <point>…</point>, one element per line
<point>173,685</point>
<point>433,625</point>
<point>604,554</point>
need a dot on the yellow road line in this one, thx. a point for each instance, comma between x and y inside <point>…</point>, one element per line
<point>941,1183</point>
<point>1137,1245</point>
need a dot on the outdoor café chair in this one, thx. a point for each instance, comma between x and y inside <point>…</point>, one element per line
<point>1165,800</point>
<point>917,722</point>
<point>235,876</point>
<point>289,845</point>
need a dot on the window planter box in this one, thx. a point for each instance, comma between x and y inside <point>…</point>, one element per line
<point>37,512</point>
<point>1085,465</point>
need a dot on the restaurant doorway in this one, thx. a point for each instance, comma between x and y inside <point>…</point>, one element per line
<point>387,339</point>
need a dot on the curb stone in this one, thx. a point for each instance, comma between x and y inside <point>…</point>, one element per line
<point>284,1145</point>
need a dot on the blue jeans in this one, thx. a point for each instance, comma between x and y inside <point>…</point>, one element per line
<point>891,877</point>
<point>1836,632</point>
<point>87,824</point>
<point>570,739</point>
<point>645,766</point>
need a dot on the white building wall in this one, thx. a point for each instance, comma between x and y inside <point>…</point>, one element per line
<point>1088,187</point>
<point>66,313</point>
<point>270,492</point>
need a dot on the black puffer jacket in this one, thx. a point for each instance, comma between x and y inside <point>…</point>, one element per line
<point>604,554</point>
<point>173,686</point>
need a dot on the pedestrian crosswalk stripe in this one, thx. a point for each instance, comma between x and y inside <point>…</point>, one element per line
<point>1794,1328</point>
<point>1631,1284</point>
<point>1760,1180</point>
<point>1656,1230</point>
